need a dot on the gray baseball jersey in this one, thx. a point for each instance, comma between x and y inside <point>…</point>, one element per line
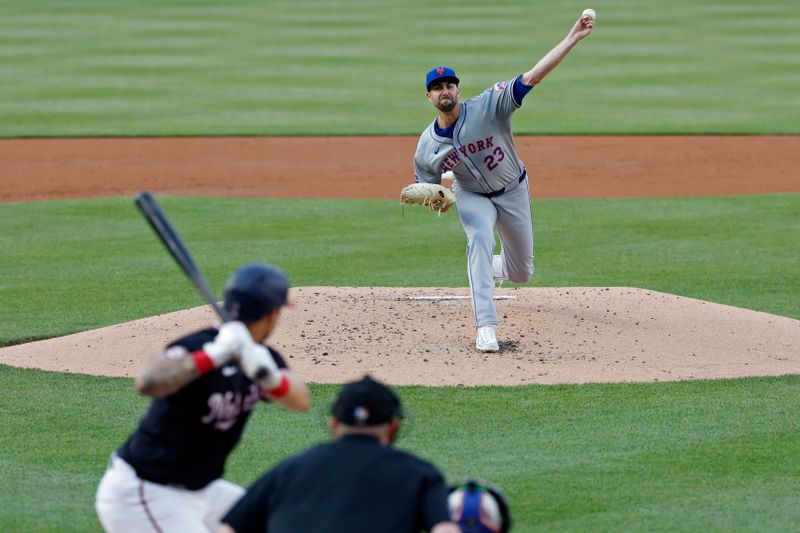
<point>491,191</point>
<point>481,153</point>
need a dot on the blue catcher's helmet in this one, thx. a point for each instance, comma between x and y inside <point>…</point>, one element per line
<point>479,507</point>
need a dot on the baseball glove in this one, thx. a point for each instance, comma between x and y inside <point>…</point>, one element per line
<point>436,197</point>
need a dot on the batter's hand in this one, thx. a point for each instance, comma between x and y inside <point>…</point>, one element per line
<point>229,343</point>
<point>254,359</point>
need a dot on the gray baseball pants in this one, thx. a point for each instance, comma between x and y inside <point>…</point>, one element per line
<point>510,213</point>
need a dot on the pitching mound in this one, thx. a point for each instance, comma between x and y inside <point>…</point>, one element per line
<point>426,336</point>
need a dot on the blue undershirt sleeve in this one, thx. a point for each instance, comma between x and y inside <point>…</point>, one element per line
<point>520,90</point>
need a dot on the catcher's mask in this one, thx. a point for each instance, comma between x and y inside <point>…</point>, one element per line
<point>478,506</point>
<point>254,291</point>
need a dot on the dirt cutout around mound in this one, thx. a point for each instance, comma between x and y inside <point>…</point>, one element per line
<point>425,336</point>
<point>566,335</point>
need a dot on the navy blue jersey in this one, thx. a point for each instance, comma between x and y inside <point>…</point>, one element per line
<point>185,438</point>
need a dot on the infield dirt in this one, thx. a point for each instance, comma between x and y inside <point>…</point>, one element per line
<point>557,335</point>
<point>378,167</point>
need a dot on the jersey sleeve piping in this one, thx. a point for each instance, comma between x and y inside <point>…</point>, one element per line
<point>519,90</point>
<point>456,135</point>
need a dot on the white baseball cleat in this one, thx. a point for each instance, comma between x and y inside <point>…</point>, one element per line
<point>497,270</point>
<point>486,341</point>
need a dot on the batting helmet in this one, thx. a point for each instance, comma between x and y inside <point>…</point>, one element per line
<point>479,507</point>
<point>255,290</point>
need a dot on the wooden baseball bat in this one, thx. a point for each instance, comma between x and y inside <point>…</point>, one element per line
<point>161,225</point>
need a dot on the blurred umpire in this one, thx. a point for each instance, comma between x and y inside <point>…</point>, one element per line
<point>357,483</point>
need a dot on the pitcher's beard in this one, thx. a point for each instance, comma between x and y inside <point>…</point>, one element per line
<point>449,106</point>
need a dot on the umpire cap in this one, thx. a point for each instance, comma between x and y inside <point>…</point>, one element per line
<point>366,403</point>
<point>254,291</point>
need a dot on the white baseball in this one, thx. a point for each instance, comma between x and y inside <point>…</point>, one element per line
<point>589,13</point>
<point>448,175</point>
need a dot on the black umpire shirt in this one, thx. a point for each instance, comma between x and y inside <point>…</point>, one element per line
<point>351,485</point>
<point>185,438</point>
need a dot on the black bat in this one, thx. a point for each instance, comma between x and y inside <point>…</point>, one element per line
<point>161,225</point>
<point>163,228</point>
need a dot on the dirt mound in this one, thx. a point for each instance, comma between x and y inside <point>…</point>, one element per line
<point>425,336</point>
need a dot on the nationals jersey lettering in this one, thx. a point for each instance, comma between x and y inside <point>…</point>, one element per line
<point>481,152</point>
<point>225,408</point>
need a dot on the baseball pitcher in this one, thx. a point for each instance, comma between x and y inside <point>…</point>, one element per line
<point>473,140</point>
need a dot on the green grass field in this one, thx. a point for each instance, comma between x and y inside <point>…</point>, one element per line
<point>694,456</point>
<point>691,456</point>
<point>133,67</point>
<point>714,455</point>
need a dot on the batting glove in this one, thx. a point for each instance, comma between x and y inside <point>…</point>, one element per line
<point>231,340</point>
<point>259,365</point>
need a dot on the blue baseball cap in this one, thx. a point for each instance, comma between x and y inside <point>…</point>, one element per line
<point>437,73</point>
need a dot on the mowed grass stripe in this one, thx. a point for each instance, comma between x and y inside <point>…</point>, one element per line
<point>98,263</point>
<point>81,264</point>
<point>356,67</point>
